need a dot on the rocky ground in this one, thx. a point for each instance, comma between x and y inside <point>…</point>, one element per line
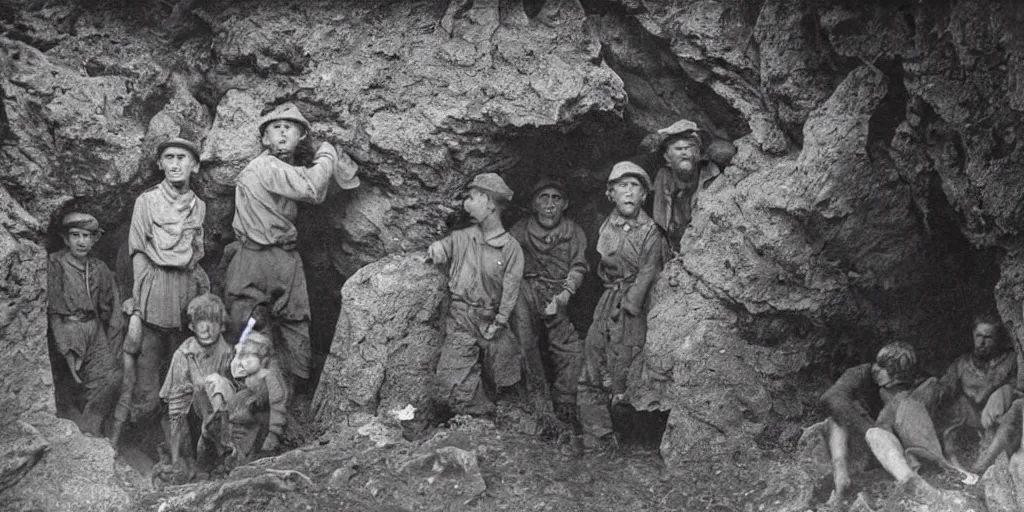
<point>366,463</point>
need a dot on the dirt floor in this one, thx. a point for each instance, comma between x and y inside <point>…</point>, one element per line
<point>368,464</point>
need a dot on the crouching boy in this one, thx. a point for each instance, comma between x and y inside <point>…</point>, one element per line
<point>197,385</point>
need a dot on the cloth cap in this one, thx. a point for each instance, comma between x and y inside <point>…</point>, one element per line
<point>547,182</point>
<point>684,128</point>
<point>491,182</point>
<point>287,111</point>
<point>178,142</point>
<point>81,221</point>
<point>623,169</point>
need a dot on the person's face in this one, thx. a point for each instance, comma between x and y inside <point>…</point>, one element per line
<point>682,156</point>
<point>245,364</point>
<point>880,375</point>
<point>80,241</point>
<point>548,206</point>
<point>178,165</point>
<point>628,194</point>
<point>478,205</point>
<point>207,331</point>
<point>986,341</point>
<point>281,137</point>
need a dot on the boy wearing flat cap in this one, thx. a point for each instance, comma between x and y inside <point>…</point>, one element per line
<point>554,267</point>
<point>632,250</point>
<point>267,195</point>
<point>485,266</point>
<point>84,311</point>
<point>681,179</point>
<point>165,243</point>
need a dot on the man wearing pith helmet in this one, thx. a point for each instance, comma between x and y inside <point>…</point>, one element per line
<point>485,266</point>
<point>165,243</point>
<point>681,179</point>
<point>632,250</point>
<point>267,194</point>
<point>555,264</point>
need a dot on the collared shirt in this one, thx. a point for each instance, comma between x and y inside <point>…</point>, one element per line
<point>269,190</point>
<point>674,201</point>
<point>190,365</point>
<point>485,273</point>
<point>978,379</point>
<point>632,253</point>
<point>167,226</point>
<point>555,254</point>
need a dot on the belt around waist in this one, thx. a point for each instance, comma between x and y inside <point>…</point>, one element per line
<point>249,244</point>
<point>82,316</point>
<point>478,305</point>
<point>615,285</point>
<point>542,278</point>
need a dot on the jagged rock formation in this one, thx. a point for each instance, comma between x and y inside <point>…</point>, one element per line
<point>874,195</point>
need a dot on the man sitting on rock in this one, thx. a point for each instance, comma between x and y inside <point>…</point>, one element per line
<point>554,268</point>
<point>980,384</point>
<point>485,267</point>
<point>882,402</point>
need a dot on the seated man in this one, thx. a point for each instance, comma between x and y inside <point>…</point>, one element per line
<point>880,402</point>
<point>980,385</point>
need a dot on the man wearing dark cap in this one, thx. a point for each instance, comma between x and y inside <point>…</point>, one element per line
<point>267,196</point>
<point>553,270</point>
<point>485,267</point>
<point>84,310</point>
<point>682,178</point>
<point>165,243</point>
<point>632,250</point>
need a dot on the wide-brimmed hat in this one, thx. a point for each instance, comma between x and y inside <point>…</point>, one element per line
<point>285,111</point>
<point>178,142</point>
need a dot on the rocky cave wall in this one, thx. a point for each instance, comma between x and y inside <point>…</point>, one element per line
<point>875,193</point>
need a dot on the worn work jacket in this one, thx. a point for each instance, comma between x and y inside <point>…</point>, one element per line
<point>269,190</point>
<point>632,253</point>
<point>190,365</point>
<point>482,273</point>
<point>553,255</point>
<point>81,291</point>
<point>675,201</point>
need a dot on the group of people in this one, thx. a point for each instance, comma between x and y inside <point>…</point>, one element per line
<point>230,384</point>
<point>903,418</point>
<point>229,387</point>
<point>510,289</point>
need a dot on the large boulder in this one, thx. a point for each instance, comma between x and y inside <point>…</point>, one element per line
<point>76,474</point>
<point>387,341</point>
